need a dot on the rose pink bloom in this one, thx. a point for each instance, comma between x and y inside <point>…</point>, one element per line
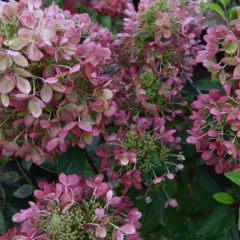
<point>171,202</point>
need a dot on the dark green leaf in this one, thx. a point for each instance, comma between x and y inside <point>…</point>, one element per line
<point>238,219</point>
<point>10,177</point>
<point>149,219</point>
<point>106,21</point>
<point>2,224</point>
<point>205,84</point>
<point>219,222</point>
<point>26,165</point>
<point>159,201</point>
<point>234,176</point>
<point>24,191</point>
<point>223,197</point>
<point>155,158</point>
<point>2,198</point>
<point>232,234</point>
<point>8,213</point>
<point>71,162</point>
<point>93,147</point>
<point>206,182</point>
<point>213,6</point>
<point>3,161</point>
<point>225,2</point>
<point>202,199</point>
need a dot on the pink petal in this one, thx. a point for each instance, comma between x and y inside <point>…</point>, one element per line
<point>28,120</point>
<point>58,87</point>
<point>100,212</point>
<point>34,109</point>
<point>33,53</point>
<point>75,68</point>
<point>63,178</point>
<point>128,229</point>
<point>192,140</point>
<point>46,93</point>
<point>52,144</point>
<point>51,80</point>
<point>69,126</point>
<point>73,179</point>
<point>101,232</point>
<point>7,86</point>
<point>85,126</point>
<point>109,195</point>
<point>23,85</point>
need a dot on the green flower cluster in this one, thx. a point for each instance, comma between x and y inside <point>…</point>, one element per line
<point>149,17</point>
<point>163,154</point>
<point>147,27</point>
<point>9,29</point>
<point>150,83</point>
<point>144,144</point>
<point>71,225</point>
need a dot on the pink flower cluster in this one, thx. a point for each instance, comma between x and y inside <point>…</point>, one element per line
<point>156,52</point>
<point>215,130</point>
<point>54,89</point>
<point>141,145</point>
<point>74,194</point>
<point>110,7</point>
<point>221,54</point>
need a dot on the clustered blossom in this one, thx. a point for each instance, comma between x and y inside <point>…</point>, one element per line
<point>65,80</point>
<point>54,88</point>
<point>157,53</point>
<point>110,7</point>
<point>221,54</point>
<point>141,145</point>
<point>77,208</point>
<point>157,49</point>
<point>215,130</point>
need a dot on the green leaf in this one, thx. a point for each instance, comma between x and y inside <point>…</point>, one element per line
<point>219,222</point>
<point>10,177</point>
<point>24,191</point>
<point>26,165</point>
<point>2,224</point>
<point>106,21</point>
<point>239,219</point>
<point>71,162</point>
<point>93,147</point>
<point>205,84</point>
<point>223,197</point>
<point>206,182</point>
<point>155,158</point>
<point>213,6</point>
<point>2,198</point>
<point>232,234</point>
<point>149,219</point>
<point>233,13</point>
<point>8,213</point>
<point>225,2</point>
<point>161,197</point>
<point>234,176</point>
<point>161,212</point>
<point>202,199</point>
<point>4,160</point>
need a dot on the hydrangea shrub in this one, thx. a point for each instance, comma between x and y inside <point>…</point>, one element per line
<point>146,130</point>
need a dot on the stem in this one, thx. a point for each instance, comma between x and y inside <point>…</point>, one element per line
<point>24,174</point>
<point>94,168</point>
